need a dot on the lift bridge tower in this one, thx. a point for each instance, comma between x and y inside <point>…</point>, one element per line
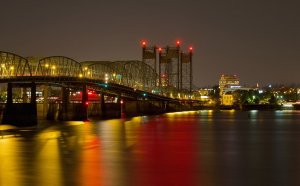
<point>186,70</point>
<point>149,56</point>
<point>174,67</point>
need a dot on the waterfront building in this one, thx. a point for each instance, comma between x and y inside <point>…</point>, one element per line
<point>228,82</point>
<point>227,99</point>
<point>203,94</point>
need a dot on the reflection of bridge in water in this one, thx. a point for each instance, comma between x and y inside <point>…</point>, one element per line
<point>70,90</point>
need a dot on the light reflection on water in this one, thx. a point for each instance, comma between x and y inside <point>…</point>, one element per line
<point>188,148</point>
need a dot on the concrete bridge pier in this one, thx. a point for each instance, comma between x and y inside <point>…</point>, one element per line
<point>78,111</point>
<point>20,114</point>
<point>138,107</point>
<point>81,113</point>
<point>191,105</point>
<point>167,106</point>
<point>119,106</point>
<point>112,108</point>
<point>73,111</point>
<point>50,109</point>
<point>64,113</point>
<point>102,105</point>
<point>180,106</point>
<point>162,106</point>
<point>172,106</point>
<point>131,107</point>
<point>46,100</point>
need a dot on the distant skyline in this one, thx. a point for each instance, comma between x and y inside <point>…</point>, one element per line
<point>258,41</point>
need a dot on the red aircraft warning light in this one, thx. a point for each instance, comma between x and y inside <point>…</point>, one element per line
<point>178,42</point>
<point>159,49</point>
<point>191,49</point>
<point>144,43</point>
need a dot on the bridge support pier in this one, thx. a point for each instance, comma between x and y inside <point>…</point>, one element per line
<point>163,106</point>
<point>138,109</point>
<point>167,106</point>
<point>119,106</point>
<point>64,111</point>
<point>20,114</point>
<point>73,111</point>
<point>102,105</point>
<point>83,115</point>
<point>46,100</point>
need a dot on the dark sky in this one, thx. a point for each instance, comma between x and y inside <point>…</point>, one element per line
<point>258,40</point>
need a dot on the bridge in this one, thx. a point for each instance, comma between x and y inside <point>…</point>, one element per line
<point>58,87</point>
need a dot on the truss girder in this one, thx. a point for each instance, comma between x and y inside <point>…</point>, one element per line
<point>13,65</point>
<point>134,74</point>
<point>59,66</point>
<point>101,71</point>
<point>137,74</point>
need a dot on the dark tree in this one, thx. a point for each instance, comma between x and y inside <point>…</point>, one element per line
<point>215,94</point>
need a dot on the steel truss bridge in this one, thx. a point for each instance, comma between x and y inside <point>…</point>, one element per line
<point>133,81</point>
<point>128,77</point>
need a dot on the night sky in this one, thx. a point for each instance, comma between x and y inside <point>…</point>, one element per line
<point>257,40</point>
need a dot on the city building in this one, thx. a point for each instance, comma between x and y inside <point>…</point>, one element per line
<point>228,82</point>
<point>227,99</point>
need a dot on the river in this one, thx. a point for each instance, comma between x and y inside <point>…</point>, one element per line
<point>208,148</point>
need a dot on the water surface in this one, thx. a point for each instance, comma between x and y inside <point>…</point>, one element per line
<point>188,148</point>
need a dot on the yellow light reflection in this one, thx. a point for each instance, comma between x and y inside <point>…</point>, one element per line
<point>73,123</point>
<point>49,135</point>
<point>11,162</point>
<point>232,111</point>
<point>136,119</point>
<point>48,160</point>
<point>116,144</point>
